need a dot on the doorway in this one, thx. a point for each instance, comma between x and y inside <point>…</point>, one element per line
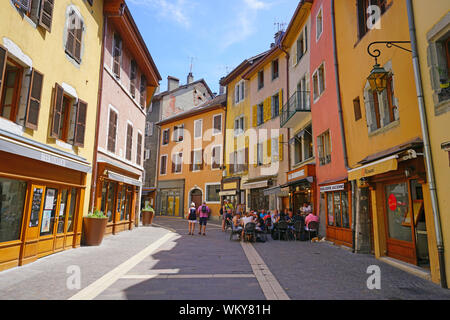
<point>196,197</point>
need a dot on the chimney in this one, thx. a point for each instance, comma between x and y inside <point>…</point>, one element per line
<point>190,78</point>
<point>221,90</point>
<point>278,37</point>
<point>172,83</point>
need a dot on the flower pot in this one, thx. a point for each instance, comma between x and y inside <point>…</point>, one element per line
<point>147,218</point>
<point>94,230</point>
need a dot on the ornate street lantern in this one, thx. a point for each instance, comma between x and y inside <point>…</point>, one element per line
<point>378,78</point>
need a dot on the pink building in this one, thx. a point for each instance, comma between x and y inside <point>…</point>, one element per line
<point>333,188</point>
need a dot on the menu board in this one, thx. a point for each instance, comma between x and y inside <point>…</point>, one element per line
<point>35,207</point>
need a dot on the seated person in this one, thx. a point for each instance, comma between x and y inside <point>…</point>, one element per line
<point>311,217</point>
<point>237,222</point>
<point>290,217</point>
<point>275,217</point>
<point>306,209</point>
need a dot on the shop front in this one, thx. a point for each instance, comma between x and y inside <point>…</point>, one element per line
<point>117,194</point>
<point>302,186</point>
<point>231,191</point>
<point>170,198</point>
<point>42,192</point>
<point>336,200</point>
<point>402,221</point>
<point>256,198</point>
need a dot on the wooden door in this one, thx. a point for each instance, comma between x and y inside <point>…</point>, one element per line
<point>47,227</point>
<point>61,220</point>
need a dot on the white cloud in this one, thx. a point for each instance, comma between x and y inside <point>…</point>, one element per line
<point>176,10</point>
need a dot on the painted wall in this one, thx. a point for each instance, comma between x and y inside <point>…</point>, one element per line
<point>429,27</point>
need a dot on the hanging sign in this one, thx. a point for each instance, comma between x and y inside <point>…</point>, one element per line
<point>335,187</point>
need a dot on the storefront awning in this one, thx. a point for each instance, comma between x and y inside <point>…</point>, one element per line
<point>372,169</point>
<point>300,181</point>
<point>255,185</point>
<point>227,193</point>
<point>120,178</point>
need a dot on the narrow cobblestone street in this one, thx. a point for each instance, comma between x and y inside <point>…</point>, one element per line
<point>164,263</point>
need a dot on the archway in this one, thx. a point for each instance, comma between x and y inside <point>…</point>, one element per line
<point>196,197</point>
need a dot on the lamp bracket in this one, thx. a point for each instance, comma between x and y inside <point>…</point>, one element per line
<point>389,44</point>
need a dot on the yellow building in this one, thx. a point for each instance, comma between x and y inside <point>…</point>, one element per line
<point>49,76</point>
<point>384,139</point>
<point>238,117</point>
<point>433,42</point>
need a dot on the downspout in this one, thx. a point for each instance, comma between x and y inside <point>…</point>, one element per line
<point>341,121</point>
<point>426,144</point>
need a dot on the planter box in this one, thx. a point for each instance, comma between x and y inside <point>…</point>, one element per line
<point>93,231</point>
<point>147,218</point>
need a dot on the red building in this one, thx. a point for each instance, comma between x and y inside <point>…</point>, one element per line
<point>333,189</point>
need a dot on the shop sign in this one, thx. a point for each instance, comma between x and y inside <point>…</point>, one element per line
<point>296,175</point>
<point>392,202</point>
<point>336,187</point>
<point>230,186</point>
<point>53,160</point>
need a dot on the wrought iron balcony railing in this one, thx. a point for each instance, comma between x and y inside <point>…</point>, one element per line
<point>299,102</point>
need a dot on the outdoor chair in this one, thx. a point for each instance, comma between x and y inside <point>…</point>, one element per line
<point>250,231</point>
<point>313,227</point>
<point>268,225</point>
<point>262,233</point>
<point>234,230</point>
<point>299,228</point>
<point>283,229</point>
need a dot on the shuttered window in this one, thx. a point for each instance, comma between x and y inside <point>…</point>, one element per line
<point>216,157</point>
<point>163,165</point>
<point>129,141</point>
<point>57,110</point>
<point>357,108</point>
<point>143,91</point>
<point>3,57</point>
<point>23,4</point>
<point>112,131</point>
<point>74,36</point>
<point>133,77</point>
<point>217,124</point>
<point>46,15</point>
<point>117,55</point>
<point>34,100</point>
<point>80,124</point>
<point>139,149</point>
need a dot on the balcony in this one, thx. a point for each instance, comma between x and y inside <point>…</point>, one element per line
<point>296,109</point>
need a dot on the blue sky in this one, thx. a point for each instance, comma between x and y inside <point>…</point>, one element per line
<point>217,34</point>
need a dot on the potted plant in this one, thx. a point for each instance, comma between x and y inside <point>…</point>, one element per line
<point>147,215</point>
<point>94,226</point>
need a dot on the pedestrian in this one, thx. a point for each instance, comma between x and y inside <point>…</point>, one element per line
<point>204,213</point>
<point>192,219</point>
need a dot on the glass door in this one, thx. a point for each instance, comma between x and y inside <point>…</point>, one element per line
<point>61,220</point>
<point>49,212</point>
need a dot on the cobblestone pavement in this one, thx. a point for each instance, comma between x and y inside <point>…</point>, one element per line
<point>163,262</point>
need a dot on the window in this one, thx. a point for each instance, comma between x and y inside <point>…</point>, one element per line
<point>74,36</point>
<point>324,148</point>
<point>301,45</point>
<point>240,160</point>
<point>439,63</point>
<point>198,129</point>
<point>216,157</point>
<point>147,154</point>
<point>139,149</point>
<point>117,55</point>
<point>178,133</point>
<point>40,12</point>
<point>165,137</point>
<point>217,124</point>
<point>129,146</point>
<point>143,91</point>
<point>338,209</point>
<point>239,92</point>
<point>260,114</point>
<point>357,108</point>
<point>177,162</point>
<point>275,106</point>
<point>12,201</point>
<point>303,145</point>
<point>260,154</point>
<point>239,126</point>
<point>260,79</point>
<point>149,127</point>
<point>197,160</point>
<point>163,165</point>
<point>69,118</point>
<point>363,16</point>
<point>319,24</point>
<point>319,82</point>
<point>381,108</point>
<point>275,69</point>
<point>112,131</point>
<point>275,146</point>
<point>133,78</point>
<point>212,193</point>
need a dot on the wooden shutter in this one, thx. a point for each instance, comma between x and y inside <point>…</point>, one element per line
<point>139,151</point>
<point>269,150</point>
<point>201,159</point>
<point>191,165</point>
<point>255,164</point>
<point>133,77</point>
<point>357,109</point>
<point>77,43</point>
<point>34,100</point>
<point>3,58</point>
<point>280,96</point>
<point>46,16</point>
<point>57,109</point>
<point>267,109</point>
<point>23,4</point>
<point>129,141</point>
<point>70,42</point>
<point>112,132</point>
<point>280,148</point>
<point>255,116</point>
<point>246,159</point>
<point>117,53</point>
<point>143,91</point>
<point>80,124</point>
<point>173,163</point>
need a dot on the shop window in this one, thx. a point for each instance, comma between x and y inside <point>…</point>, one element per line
<point>177,162</point>
<point>163,165</point>
<point>62,211</point>
<point>217,124</point>
<point>133,77</point>
<point>260,79</point>
<point>338,209</point>
<point>216,157</point>
<point>324,148</point>
<point>139,150</point>
<point>178,133</point>
<point>39,11</point>
<point>109,190</point>
<point>72,208</point>
<point>20,92</point>
<point>381,107</point>
<point>165,137</point>
<point>275,106</point>
<point>117,55</point>
<point>74,35</point>
<point>398,212</point>
<point>112,131</point>
<point>69,118</point>
<point>275,69</point>
<point>121,202</point>
<point>12,201</point>
<point>363,16</point>
<point>212,193</point>
<point>198,128</point>
<point>129,146</point>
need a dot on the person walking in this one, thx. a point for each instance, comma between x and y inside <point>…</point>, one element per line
<point>192,219</point>
<point>204,213</point>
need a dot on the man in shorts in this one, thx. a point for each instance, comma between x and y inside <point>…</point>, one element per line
<point>204,213</point>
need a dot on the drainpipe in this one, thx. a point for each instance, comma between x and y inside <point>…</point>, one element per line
<point>341,122</point>
<point>426,144</point>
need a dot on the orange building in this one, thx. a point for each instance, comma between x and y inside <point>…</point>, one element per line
<point>190,159</point>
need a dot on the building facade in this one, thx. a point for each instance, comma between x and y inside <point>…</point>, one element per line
<point>129,80</point>
<point>190,159</point>
<point>49,60</point>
